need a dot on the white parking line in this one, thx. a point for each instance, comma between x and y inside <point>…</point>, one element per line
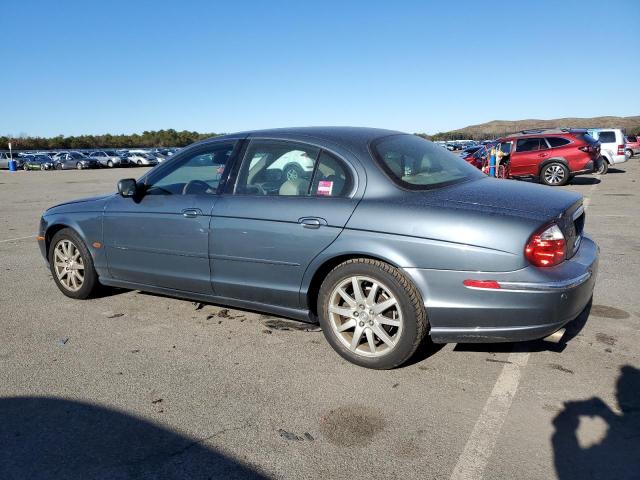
<point>479,447</point>
<point>16,239</point>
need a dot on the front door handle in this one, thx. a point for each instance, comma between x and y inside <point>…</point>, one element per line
<point>312,222</point>
<point>191,212</point>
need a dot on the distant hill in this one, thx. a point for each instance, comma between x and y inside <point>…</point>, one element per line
<point>497,128</point>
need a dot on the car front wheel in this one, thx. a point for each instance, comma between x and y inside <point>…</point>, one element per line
<point>71,265</point>
<point>110,164</point>
<point>554,174</point>
<point>371,313</point>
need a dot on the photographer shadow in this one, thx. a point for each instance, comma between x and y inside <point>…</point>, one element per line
<point>617,455</point>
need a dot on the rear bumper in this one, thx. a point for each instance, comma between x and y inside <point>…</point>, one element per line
<point>531,304</point>
<point>590,167</point>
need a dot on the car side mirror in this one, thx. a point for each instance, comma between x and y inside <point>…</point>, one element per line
<point>127,187</point>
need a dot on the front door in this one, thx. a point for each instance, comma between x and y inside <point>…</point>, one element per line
<point>274,222</point>
<point>161,237</point>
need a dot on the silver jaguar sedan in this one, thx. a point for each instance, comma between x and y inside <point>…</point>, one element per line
<point>383,238</point>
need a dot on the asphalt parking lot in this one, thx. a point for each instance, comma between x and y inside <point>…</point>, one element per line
<point>145,386</point>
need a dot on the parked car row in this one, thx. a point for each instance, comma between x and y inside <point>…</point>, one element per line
<point>554,156</point>
<point>81,159</point>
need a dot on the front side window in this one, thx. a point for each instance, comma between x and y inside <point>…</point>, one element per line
<point>418,164</point>
<point>196,174</point>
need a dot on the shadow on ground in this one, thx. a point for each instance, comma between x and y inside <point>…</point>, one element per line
<point>49,438</point>
<point>617,455</point>
<point>585,181</point>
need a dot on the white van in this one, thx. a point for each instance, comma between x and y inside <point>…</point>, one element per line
<point>611,146</point>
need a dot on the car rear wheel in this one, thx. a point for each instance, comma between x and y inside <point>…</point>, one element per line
<point>554,174</point>
<point>628,153</point>
<point>79,166</point>
<point>71,265</point>
<point>371,313</point>
<point>25,167</point>
<point>604,166</point>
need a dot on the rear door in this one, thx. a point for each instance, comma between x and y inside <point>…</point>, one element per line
<point>528,154</point>
<point>270,226</point>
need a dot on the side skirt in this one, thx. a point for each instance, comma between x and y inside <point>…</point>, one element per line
<point>293,313</point>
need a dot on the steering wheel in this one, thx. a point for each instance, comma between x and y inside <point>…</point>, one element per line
<point>195,187</point>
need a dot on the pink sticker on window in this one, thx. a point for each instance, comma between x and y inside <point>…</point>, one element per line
<point>325,187</point>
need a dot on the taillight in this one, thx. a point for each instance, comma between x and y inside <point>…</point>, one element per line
<point>620,149</point>
<point>546,248</point>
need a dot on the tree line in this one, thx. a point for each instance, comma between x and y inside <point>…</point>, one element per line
<point>148,139</point>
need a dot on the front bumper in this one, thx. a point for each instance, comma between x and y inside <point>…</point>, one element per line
<point>532,303</point>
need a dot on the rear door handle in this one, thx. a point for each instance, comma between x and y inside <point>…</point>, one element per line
<point>542,154</point>
<point>191,212</point>
<point>312,222</point>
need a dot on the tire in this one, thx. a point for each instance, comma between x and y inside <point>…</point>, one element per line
<point>554,174</point>
<point>25,167</point>
<point>629,153</point>
<point>604,167</point>
<point>110,164</point>
<point>404,323</point>
<point>139,163</point>
<point>89,282</point>
<point>79,166</point>
<point>292,172</point>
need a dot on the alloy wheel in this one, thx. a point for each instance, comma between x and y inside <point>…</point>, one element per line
<point>365,316</point>
<point>554,174</point>
<point>69,265</point>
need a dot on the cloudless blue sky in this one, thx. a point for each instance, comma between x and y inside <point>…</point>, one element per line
<point>76,67</point>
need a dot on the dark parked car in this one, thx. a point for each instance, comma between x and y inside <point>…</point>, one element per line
<point>390,239</point>
<point>37,162</point>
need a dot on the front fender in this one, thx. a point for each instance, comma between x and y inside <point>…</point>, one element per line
<point>86,224</point>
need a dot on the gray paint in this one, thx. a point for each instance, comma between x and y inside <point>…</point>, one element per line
<point>252,252</point>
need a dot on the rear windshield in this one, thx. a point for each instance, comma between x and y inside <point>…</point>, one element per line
<point>418,164</point>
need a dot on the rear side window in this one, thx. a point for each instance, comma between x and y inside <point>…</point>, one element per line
<point>528,145</point>
<point>607,137</point>
<point>331,178</point>
<point>632,138</point>
<point>557,141</point>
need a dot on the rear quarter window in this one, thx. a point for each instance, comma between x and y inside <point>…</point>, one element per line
<point>555,142</point>
<point>417,164</point>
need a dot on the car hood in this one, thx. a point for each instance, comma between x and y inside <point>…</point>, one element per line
<point>87,204</point>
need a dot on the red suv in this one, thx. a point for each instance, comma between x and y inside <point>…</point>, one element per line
<point>552,157</point>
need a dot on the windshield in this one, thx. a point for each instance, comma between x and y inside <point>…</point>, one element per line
<point>419,164</point>
<point>76,155</point>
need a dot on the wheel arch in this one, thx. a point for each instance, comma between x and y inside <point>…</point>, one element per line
<point>310,293</point>
<point>547,161</point>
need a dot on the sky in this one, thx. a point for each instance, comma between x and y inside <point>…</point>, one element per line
<point>85,67</point>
